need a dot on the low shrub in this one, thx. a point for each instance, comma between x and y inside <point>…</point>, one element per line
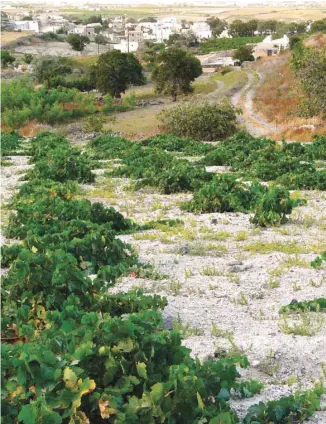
<point>273,207</point>
<point>308,305</point>
<point>10,143</point>
<point>63,165</point>
<point>173,143</point>
<point>94,123</point>
<point>201,121</point>
<point>291,164</point>
<point>107,146</point>
<point>223,194</point>
<point>156,168</point>
<point>226,194</point>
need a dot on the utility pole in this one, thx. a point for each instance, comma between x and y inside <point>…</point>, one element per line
<point>128,39</point>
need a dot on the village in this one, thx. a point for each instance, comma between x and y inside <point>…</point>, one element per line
<point>130,35</point>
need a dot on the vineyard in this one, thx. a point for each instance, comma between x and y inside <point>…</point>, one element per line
<point>76,349</point>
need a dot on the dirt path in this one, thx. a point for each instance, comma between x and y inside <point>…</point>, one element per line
<point>256,124</point>
<point>243,99</point>
<point>214,96</point>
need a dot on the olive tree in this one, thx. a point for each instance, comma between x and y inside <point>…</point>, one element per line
<point>174,71</point>
<point>115,71</point>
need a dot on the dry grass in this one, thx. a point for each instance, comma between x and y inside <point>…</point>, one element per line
<point>317,41</point>
<point>278,99</point>
<point>9,37</point>
<point>138,123</point>
<point>31,129</point>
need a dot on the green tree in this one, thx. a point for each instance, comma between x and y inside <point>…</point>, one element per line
<point>243,54</point>
<point>318,26</point>
<point>6,58</point>
<point>28,58</point>
<point>47,67</point>
<point>94,19</point>
<point>294,42</point>
<point>98,29</point>
<point>100,39</point>
<point>78,42</point>
<point>240,28</point>
<point>217,25</point>
<point>115,71</point>
<point>267,27</point>
<point>174,72</point>
<point>309,65</point>
<point>187,40</point>
<point>151,52</point>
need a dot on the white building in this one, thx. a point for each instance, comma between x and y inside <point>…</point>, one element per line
<point>159,31</point>
<point>225,34</point>
<point>202,30</point>
<point>134,35</point>
<point>270,47</point>
<point>214,61</point>
<point>27,26</point>
<point>87,30</point>
<point>126,47</point>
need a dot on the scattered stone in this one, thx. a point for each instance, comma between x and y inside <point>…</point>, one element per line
<point>184,250</point>
<point>293,302</point>
<point>149,102</point>
<point>168,322</point>
<point>214,221</point>
<point>239,268</point>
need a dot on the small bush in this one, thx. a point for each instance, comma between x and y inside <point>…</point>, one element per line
<point>223,194</point>
<point>63,165</point>
<point>51,36</point>
<point>226,194</point>
<point>201,121</point>
<point>107,146</point>
<point>273,207</point>
<point>226,70</point>
<point>94,123</point>
<point>172,143</point>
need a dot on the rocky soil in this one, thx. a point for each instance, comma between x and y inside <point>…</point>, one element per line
<point>225,282</point>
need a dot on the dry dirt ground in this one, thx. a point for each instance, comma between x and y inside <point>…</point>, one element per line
<point>226,280</point>
<point>9,37</point>
<point>63,49</point>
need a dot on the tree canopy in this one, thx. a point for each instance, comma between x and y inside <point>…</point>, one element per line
<point>240,28</point>
<point>6,58</point>
<point>47,67</point>
<point>78,42</point>
<point>174,72</point>
<point>115,71</point>
<point>217,25</point>
<point>318,26</point>
<point>243,54</point>
<point>309,65</point>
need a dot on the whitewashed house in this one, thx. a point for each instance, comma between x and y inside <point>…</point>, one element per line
<point>214,61</point>
<point>126,47</point>
<point>269,47</point>
<point>159,31</point>
<point>33,26</point>
<point>201,29</point>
